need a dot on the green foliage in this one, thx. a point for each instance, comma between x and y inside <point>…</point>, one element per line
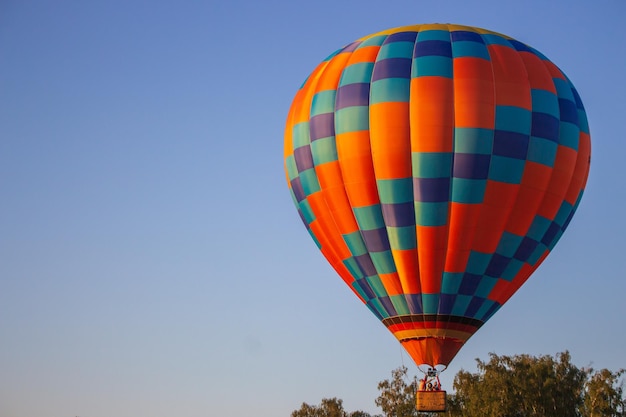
<point>329,407</point>
<point>604,395</point>
<point>528,386</point>
<point>503,386</point>
<point>397,397</point>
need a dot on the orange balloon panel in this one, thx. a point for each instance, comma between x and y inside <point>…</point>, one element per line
<point>436,166</point>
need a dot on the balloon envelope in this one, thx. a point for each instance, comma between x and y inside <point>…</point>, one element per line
<point>435,167</point>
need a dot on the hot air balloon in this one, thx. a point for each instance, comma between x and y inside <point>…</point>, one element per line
<point>436,166</point>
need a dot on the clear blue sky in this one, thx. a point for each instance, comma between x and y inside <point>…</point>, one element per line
<point>151,260</point>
